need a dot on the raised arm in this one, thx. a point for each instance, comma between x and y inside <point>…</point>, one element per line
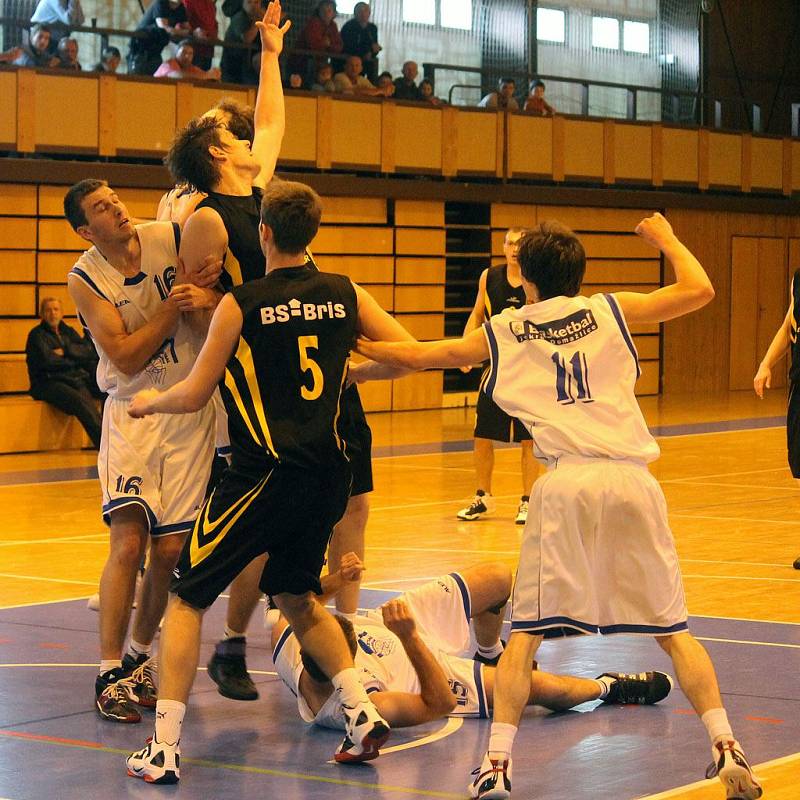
<point>775,352</point>
<point>195,390</point>
<point>270,115</point>
<point>435,699</point>
<point>692,288</point>
<point>128,352</point>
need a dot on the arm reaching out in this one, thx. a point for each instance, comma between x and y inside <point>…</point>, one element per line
<point>470,349</point>
<point>775,352</point>
<point>692,288</point>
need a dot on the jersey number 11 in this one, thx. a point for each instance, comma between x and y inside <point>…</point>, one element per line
<point>572,379</point>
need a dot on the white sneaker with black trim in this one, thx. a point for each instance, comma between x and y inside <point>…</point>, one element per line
<point>731,767</point>
<point>481,506</point>
<point>367,731</point>
<point>522,513</point>
<point>492,780</point>
<point>157,762</point>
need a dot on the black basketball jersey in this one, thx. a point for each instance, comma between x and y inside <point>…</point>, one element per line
<point>241,215</point>
<point>794,369</point>
<point>283,385</point>
<point>500,294</point>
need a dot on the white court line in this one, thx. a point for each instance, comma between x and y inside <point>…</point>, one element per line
<point>725,475</point>
<point>47,580</point>
<point>748,641</point>
<point>744,619</point>
<point>716,433</point>
<point>46,483</point>
<point>746,578</point>
<point>56,540</point>
<point>741,486</point>
<point>93,665</point>
<point>45,602</point>
<point>735,519</point>
<point>453,501</point>
<point>680,791</point>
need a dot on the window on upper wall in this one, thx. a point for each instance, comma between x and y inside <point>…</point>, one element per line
<point>423,11</point>
<point>636,37</point>
<point>456,14</point>
<point>605,32</point>
<point>345,6</point>
<point>551,25</point>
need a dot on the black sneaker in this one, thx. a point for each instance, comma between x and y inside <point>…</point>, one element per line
<point>229,671</point>
<point>490,662</point>
<point>481,506</point>
<point>141,674</point>
<point>643,688</point>
<point>796,564</point>
<point>112,700</point>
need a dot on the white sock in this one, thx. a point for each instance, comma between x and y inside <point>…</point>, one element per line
<point>110,663</point>
<point>605,682</point>
<point>501,740</point>
<point>137,648</point>
<point>717,725</point>
<point>232,634</point>
<point>169,718</point>
<point>492,651</point>
<point>349,688</point>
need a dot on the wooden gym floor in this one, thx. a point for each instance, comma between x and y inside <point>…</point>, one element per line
<point>734,511</point>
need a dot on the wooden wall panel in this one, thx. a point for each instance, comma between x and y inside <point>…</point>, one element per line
<point>744,310</point>
<point>17,300</point>
<point>51,200</point>
<point>476,142</point>
<point>367,240</point>
<point>14,333</point>
<point>144,100</point>
<point>384,295</point>
<point>648,383</point>
<point>679,155</point>
<point>204,98</point>
<point>583,149</point>
<point>355,134</point>
<point>75,123</point>
<point>419,213</point>
<point>600,270</point>
<point>648,347</point>
<point>419,270</point>
<point>8,114</point>
<point>53,267</point>
<point>724,159</point>
<point>13,374</point>
<point>18,199</point>
<point>354,210</point>
<point>509,215</point>
<point>795,166</point>
<point>299,143</point>
<point>419,241</point>
<point>599,245</point>
<point>423,326</point>
<point>17,233</point>
<point>361,269</point>
<point>413,151</point>
<point>633,152</point>
<point>376,395</point>
<point>766,164</point>
<point>421,390</point>
<point>56,234</point>
<point>582,219</point>
<point>419,298</point>
<point>17,265</point>
<point>530,146</point>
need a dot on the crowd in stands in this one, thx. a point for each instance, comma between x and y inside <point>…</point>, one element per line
<point>175,40</point>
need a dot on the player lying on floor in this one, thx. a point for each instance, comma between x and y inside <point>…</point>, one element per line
<point>406,655</point>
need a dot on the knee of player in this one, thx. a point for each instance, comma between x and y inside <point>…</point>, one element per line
<point>164,552</point>
<point>127,549</point>
<point>501,580</point>
<point>296,607</point>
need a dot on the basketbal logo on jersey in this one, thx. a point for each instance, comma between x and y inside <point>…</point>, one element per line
<point>308,311</point>
<point>557,331</point>
<point>376,646</point>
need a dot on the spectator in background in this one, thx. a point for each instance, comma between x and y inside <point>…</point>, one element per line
<point>163,20</point>
<point>406,88</point>
<point>109,62</point>
<point>36,53</point>
<point>231,7</point>
<point>536,104</point>
<point>182,66</point>
<point>426,93</point>
<point>68,54</point>
<point>237,63</point>
<point>320,33</point>
<point>351,81</point>
<point>360,38</point>
<point>10,56</point>
<point>61,366</point>
<point>503,98</point>
<point>59,16</point>
<point>202,15</point>
<point>324,79</point>
<point>386,83</point>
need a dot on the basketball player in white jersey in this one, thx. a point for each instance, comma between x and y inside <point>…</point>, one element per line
<point>597,554</point>
<point>153,476</point>
<point>408,655</point>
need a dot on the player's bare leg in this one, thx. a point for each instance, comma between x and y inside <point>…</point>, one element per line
<point>489,589</point>
<point>529,467</point>
<point>483,458</point>
<point>348,537</point>
<point>321,637</point>
<point>698,679</point>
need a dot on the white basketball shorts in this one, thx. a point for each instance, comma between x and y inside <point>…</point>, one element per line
<point>161,463</point>
<point>597,553</point>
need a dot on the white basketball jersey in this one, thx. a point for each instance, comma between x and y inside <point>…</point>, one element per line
<point>566,367</point>
<point>380,661</point>
<point>137,300</point>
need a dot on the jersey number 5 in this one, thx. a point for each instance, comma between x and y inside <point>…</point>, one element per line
<point>304,344</point>
<point>572,379</point>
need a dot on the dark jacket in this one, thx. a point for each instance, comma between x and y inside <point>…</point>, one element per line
<point>358,41</point>
<point>75,368</point>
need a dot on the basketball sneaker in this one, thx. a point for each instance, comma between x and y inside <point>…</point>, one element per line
<point>228,669</point>
<point>366,733</point>
<point>481,506</point>
<point>141,681</point>
<point>112,692</point>
<point>492,780</point>
<point>796,564</point>
<point>157,762</point>
<point>522,513</point>
<point>731,767</point>
<point>642,688</point>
